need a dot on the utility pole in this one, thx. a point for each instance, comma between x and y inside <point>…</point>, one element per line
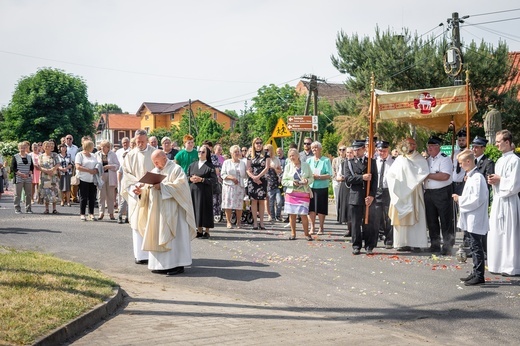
<point>453,61</point>
<point>313,94</point>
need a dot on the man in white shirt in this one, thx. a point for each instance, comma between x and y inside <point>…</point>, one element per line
<point>379,210</point>
<point>125,147</point>
<point>438,200</point>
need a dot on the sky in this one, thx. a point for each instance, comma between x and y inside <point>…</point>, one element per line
<point>217,51</point>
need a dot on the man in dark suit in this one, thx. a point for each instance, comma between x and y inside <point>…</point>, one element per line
<point>357,179</point>
<point>485,166</point>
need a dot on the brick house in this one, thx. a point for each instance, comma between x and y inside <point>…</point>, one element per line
<point>114,127</point>
<point>154,115</point>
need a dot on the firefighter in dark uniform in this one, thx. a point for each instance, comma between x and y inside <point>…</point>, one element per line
<point>356,178</point>
<point>437,198</point>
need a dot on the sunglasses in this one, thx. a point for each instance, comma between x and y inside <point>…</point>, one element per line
<point>259,143</point>
<point>307,143</point>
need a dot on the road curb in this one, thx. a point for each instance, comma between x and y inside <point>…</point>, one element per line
<point>88,320</point>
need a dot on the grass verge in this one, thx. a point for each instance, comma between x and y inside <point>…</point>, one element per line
<point>40,292</point>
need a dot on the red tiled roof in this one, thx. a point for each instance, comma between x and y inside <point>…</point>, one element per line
<point>121,121</point>
<point>515,67</point>
<point>332,92</point>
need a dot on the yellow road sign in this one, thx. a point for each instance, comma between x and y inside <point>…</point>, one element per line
<point>272,142</point>
<point>281,130</point>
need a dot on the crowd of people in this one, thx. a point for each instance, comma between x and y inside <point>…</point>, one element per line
<point>401,197</point>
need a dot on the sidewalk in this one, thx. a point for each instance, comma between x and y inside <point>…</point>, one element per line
<point>164,315</point>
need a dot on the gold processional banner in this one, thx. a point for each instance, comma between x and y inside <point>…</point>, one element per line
<point>430,108</point>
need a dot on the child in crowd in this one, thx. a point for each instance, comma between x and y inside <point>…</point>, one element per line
<point>473,206</point>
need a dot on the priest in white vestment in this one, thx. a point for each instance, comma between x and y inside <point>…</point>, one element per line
<point>170,220</point>
<point>504,221</point>
<point>136,164</point>
<point>407,211</point>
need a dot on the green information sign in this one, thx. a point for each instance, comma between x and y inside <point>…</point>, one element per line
<point>446,149</point>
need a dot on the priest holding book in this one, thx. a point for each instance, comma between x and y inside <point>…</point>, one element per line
<point>170,222</point>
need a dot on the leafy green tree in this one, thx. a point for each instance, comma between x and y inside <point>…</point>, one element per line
<point>272,103</point>
<point>203,127</point>
<point>330,143</point>
<point>48,104</point>
<point>160,133</point>
<point>105,108</point>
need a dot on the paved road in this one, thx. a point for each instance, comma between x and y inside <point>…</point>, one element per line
<point>257,287</point>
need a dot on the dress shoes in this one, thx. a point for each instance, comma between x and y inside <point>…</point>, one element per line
<point>141,261</point>
<point>205,235</point>
<point>446,251</point>
<point>474,281</point>
<point>467,278</point>
<point>199,234</point>
<point>175,271</point>
<point>506,275</point>
<point>356,252</point>
<point>416,249</point>
<point>434,249</point>
<point>370,252</point>
<point>161,271</point>
<point>404,248</point>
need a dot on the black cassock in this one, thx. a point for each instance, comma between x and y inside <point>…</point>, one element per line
<point>202,194</point>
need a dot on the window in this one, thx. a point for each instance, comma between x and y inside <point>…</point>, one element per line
<point>120,134</point>
<point>172,117</point>
<point>215,115</point>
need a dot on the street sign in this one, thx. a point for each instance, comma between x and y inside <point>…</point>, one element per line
<point>302,123</point>
<point>281,130</point>
<point>272,142</point>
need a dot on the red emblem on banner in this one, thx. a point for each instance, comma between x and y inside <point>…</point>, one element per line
<point>425,103</point>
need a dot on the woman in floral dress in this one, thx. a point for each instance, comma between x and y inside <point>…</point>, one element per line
<point>49,180</point>
<point>258,163</point>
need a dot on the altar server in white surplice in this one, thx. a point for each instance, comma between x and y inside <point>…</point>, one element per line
<point>504,221</point>
<point>170,220</point>
<point>136,164</point>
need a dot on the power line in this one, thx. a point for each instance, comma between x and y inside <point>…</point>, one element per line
<point>489,13</point>
<point>495,21</point>
<point>247,99</point>
<point>126,71</point>
<point>495,32</point>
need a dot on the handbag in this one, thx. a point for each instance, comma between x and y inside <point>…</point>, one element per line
<point>74,180</point>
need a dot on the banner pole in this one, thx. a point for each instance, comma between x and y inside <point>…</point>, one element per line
<point>370,139</point>
<point>468,136</point>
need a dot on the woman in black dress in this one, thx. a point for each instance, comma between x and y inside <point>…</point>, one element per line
<point>202,178</point>
<point>258,163</point>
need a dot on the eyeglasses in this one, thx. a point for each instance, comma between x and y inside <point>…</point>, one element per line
<point>68,138</point>
<point>257,143</point>
<point>307,143</point>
